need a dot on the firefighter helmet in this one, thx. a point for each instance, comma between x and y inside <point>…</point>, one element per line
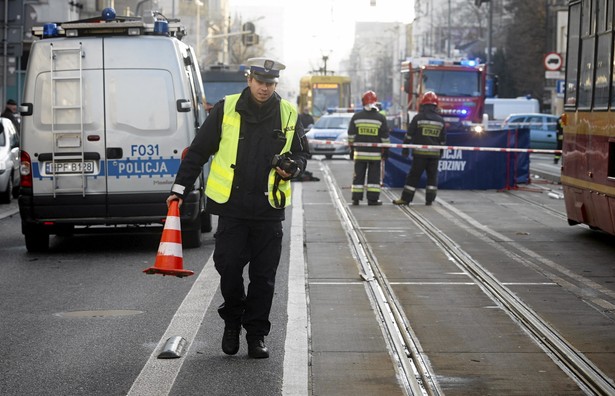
<point>429,98</point>
<point>368,98</point>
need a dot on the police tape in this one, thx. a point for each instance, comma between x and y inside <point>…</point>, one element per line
<point>422,146</point>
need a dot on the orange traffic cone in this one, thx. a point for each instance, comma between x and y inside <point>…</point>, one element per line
<point>169,260</point>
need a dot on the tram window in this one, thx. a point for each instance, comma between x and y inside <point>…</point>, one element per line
<point>609,15</point>
<point>588,24</point>
<point>603,71</point>
<point>603,14</point>
<point>572,53</point>
<point>611,159</point>
<point>586,80</point>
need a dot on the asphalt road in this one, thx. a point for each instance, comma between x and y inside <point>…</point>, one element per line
<point>83,319</point>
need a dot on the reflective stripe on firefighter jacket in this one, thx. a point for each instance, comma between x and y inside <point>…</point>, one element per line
<point>368,126</point>
<point>221,174</point>
<point>426,128</point>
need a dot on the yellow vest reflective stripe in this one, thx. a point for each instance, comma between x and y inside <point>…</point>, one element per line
<point>221,174</point>
<point>282,194</point>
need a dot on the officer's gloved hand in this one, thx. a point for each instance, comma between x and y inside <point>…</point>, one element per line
<point>405,152</point>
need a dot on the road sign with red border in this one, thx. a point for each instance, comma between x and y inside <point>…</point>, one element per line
<point>553,61</point>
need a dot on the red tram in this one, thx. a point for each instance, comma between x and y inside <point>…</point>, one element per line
<point>588,159</point>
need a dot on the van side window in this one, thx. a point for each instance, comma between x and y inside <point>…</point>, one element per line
<point>141,100</point>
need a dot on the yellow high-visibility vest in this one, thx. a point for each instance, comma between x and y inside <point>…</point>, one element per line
<point>222,172</point>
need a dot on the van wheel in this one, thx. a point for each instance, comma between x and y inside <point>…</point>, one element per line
<point>205,222</point>
<point>191,236</point>
<point>37,241</point>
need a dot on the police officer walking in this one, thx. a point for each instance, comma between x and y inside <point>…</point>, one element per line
<point>367,126</point>
<point>426,128</point>
<point>259,147</point>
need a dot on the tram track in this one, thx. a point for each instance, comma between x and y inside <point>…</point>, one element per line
<point>413,370</point>
<point>405,347</point>
<point>584,372</point>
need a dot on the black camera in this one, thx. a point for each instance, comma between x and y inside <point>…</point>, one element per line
<point>286,164</point>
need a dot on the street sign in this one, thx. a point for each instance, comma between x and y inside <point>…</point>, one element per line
<point>560,86</point>
<point>554,75</point>
<point>553,61</point>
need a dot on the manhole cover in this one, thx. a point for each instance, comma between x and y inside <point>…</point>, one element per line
<point>103,313</point>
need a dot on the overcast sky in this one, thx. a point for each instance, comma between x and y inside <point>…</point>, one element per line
<point>300,33</point>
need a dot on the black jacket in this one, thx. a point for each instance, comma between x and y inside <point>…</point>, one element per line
<point>7,113</point>
<point>258,143</point>
<point>427,127</point>
<point>378,134</point>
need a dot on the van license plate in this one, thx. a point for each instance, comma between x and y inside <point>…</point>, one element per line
<point>70,167</point>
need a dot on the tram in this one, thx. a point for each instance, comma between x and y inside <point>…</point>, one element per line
<point>588,151</point>
<point>321,92</point>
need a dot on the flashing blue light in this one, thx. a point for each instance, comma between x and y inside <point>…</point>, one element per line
<point>469,62</point>
<point>464,112</point>
<point>161,28</point>
<point>50,30</point>
<point>108,14</point>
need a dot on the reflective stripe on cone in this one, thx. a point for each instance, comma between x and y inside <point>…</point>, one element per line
<point>169,258</point>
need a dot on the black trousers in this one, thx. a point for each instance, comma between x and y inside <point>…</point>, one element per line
<point>372,168</point>
<point>238,243</point>
<point>422,164</point>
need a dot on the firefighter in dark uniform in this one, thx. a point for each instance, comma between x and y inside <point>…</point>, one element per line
<point>258,147</point>
<point>426,128</point>
<point>367,126</point>
<point>559,137</point>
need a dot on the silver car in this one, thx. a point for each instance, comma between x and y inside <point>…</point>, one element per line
<point>329,135</point>
<point>9,161</point>
<point>543,128</point>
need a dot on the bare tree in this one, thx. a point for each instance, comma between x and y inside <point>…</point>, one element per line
<point>524,48</point>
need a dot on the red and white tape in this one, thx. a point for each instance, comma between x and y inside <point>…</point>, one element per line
<point>421,146</point>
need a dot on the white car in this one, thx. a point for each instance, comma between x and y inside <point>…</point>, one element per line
<point>9,161</point>
<point>330,127</point>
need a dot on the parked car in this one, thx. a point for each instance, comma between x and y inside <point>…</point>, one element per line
<point>543,128</point>
<point>333,127</point>
<point>9,161</point>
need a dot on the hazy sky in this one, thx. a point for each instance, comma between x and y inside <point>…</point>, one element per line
<point>300,33</point>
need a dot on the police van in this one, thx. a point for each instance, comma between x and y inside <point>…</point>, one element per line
<point>110,104</point>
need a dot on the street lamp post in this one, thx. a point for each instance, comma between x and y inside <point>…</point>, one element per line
<point>198,4</point>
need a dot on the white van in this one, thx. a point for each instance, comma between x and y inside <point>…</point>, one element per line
<point>110,104</point>
<point>500,108</point>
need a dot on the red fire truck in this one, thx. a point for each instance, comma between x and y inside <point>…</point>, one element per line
<point>460,86</point>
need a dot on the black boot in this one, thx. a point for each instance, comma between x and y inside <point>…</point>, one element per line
<point>430,196</point>
<point>230,339</point>
<point>257,348</point>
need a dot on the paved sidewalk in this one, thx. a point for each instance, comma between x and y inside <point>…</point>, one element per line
<point>7,210</point>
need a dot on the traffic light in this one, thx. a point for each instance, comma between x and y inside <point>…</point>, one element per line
<point>248,37</point>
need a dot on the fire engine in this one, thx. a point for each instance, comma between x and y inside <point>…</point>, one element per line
<point>460,86</point>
